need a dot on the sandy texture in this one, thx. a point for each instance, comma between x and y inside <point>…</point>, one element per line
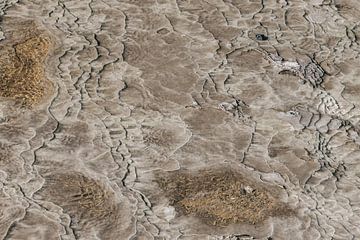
<point>22,64</point>
<point>179,119</point>
<point>221,197</point>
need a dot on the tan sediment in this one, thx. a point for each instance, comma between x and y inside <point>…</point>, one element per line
<point>221,197</point>
<point>82,197</point>
<point>22,66</point>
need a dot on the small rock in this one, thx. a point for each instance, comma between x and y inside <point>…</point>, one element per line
<point>249,189</point>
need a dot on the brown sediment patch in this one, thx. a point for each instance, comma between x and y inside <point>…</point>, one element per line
<point>92,205</point>
<point>22,60</point>
<point>83,198</point>
<point>221,197</point>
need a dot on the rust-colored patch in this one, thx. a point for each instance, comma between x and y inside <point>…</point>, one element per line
<point>22,74</point>
<point>220,197</point>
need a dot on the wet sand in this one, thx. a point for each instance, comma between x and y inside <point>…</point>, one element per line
<point>179,119</point>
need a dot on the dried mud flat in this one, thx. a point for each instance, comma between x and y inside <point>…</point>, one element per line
<point>179,119</point>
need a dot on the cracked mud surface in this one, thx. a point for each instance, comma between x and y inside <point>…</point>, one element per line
<point>179,119</point>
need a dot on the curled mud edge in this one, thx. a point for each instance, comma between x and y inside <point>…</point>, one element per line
<point>23,56</point>
<point>221,197</point>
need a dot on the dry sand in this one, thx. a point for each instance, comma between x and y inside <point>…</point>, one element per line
<point>179,119</point>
